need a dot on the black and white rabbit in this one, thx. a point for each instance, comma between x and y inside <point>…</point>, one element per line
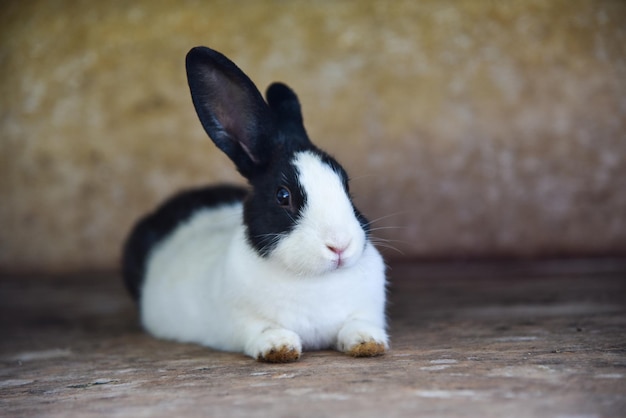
<point>270,271</point>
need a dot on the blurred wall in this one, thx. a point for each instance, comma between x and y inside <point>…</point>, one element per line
<point>470,128</point>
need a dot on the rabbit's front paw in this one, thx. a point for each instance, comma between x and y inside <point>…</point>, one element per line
<point>362,339</point>
<point>275,346</point>
<point>369,348</point>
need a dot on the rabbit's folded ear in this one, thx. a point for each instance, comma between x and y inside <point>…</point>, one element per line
<point>231,109</point>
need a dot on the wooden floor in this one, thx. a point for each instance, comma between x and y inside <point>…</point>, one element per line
<point>469,340</point>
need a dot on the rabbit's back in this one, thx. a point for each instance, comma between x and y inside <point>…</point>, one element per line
<point>166,221</point>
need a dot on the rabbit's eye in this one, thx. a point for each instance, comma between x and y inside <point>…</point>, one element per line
<point>283,197</point>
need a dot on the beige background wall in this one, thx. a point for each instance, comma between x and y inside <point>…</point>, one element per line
<point>478,128</point>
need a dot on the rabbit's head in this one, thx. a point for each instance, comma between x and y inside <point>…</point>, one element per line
<point>299,213</point>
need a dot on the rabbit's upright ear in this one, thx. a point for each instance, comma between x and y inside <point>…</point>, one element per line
<point>286,107</point>
<point>231,109</point>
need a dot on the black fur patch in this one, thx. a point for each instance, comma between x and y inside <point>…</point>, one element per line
<point>267,221</point>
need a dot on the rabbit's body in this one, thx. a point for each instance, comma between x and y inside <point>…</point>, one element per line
<point>232,293</point>
<point>282,267</point>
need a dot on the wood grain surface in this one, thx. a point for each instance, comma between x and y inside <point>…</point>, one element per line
<point>468,340</point>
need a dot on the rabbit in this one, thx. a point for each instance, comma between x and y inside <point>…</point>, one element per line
<point>269,270</point>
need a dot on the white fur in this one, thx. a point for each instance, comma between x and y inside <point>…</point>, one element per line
<point>205,284</point>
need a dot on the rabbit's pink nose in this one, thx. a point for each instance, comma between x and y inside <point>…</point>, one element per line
<point>337,249</point>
